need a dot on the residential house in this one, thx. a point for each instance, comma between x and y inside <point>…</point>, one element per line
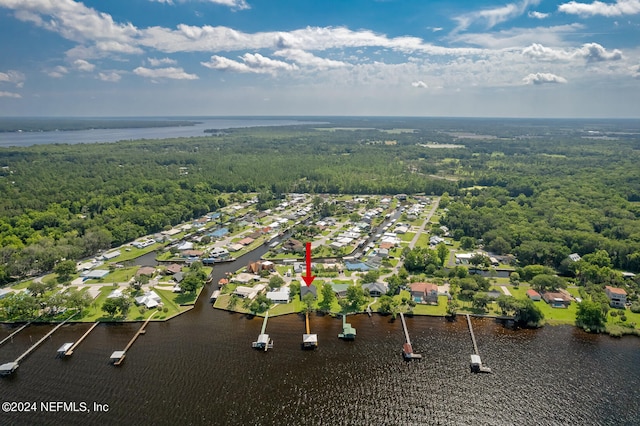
<point>376,289</point>
<point>249,292</point>
<point>340,289</point>
<point>150,299</point>
<point>174,268</point>
<point>556,299</point>
<point>308,289</point>
<point>617,296</point>
<point>424,293</point>
<point>281,295</point>
<point>293,246</point>
<point>146,270</point>
<point>533,295</point>
<point>259,266</point>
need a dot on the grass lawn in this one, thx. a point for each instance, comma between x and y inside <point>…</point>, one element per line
<point>131,253</point>
<point>423,240</point>
<point>440,310</point>
<point>407,236</point>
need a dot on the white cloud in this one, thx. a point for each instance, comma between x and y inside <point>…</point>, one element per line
<point>251,63</point>
<point>9,95</point>
<point>619,8</point>
<point>590,52</point>
<point>57,72</point>
<point>233,4</point>
<point>420,84</point>
<point>164,61</point>
<point>543,78</point>
<point>493,17</point>
<point>74,21</point>
<point>82,65</point>
<point>517,37</point>
<point>307,59</point>
<point>170,72</point>
<point>112,76</point>
<point>538,15</point>
<point>13,77</point>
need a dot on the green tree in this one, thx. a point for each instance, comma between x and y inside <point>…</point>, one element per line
<point>233,302</point>
<point>480,300</point>
<point>545,282</point>
<point>328,296</point>
<point>260,304</point>
<point>65,269</point>
<point>110,306</point>
<point>308,300</point>
<point>467,243</point>
<point>527,313</point>
<point>276,281</point>
<point>37,288</point>
<point>443,253</point>
<point>190,283</point>
<point>452,307</point>
<point>356,297</point>
<point>76,299</point>
<point>591,316</point>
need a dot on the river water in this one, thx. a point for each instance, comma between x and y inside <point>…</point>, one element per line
<point>115,135</point>
<point>199,368</point>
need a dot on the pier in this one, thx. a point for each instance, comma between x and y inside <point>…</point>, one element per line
<point>263,339</point>
<point>407,350</point>
<point>9,337</point>
<point>309,341</point>
<point>117,357</point>
<point>476,362</point>
<point>69,351</point>
<point>348,332</point>
<point>10,367</point>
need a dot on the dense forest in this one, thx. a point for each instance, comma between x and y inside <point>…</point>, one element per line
<point>538,189</point>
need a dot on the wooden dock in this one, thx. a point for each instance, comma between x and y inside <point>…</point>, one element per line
<point>75,345</point>
<point>263,341</point>
<point>407,349</point>
<point>10,367</point>
<point>348,332</point>
<point>309,341</point>
<point>476,361</point>
<point>9,337</point>
<point>117,357</point>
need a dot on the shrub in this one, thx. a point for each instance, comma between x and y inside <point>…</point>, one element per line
<point>614,314</point>
<point>635,308</point>
<point>623,318</point>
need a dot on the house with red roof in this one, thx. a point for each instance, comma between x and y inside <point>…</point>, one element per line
<point>424,293</point>
<point>617,296</point>
<point>533,295</point>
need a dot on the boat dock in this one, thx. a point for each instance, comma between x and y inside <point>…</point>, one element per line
<point>10,367</point>
<point>476,362</point>
<point>9,337</point>
<point>69,351</point>
<point>117,357</point>
<point>407,350</point>
<point>309,341</point>
<point>263,339</point>
<point>348,332</point>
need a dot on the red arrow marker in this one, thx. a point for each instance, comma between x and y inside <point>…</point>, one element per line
<point>309,278</point>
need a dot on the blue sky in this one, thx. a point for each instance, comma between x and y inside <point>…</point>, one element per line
<point>529,58</point>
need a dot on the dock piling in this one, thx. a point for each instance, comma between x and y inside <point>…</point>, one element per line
<point>476,361</point>
<point>407,349</point>
<point>118,356</point>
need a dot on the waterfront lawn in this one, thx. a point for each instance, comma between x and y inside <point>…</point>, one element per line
<point>440,310</point>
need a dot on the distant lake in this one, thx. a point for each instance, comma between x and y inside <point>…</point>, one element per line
<point>115,135</point>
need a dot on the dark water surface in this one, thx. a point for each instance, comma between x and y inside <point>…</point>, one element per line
<point>200,368</point>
